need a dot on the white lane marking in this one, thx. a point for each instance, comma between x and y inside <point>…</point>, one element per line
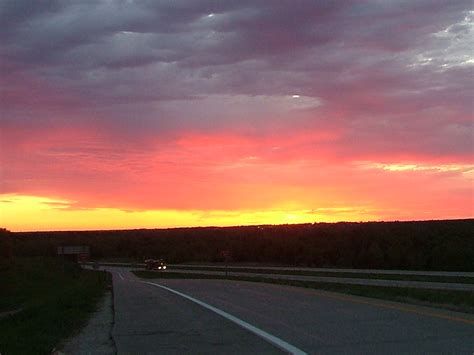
<point>121,276</point>
<point>261,333</point>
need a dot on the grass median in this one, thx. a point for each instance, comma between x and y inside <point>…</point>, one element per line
<point>49,300</point>
<point>355,274</point>
<point>461,301</point>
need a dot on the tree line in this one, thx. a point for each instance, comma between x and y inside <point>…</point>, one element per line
<point>418,245</point>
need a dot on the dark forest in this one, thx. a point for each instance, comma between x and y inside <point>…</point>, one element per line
<point>425,245</point>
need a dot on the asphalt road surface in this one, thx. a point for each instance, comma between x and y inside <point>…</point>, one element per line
<point>155,317</point>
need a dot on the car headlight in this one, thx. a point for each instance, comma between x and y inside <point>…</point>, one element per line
<point>164,267</point>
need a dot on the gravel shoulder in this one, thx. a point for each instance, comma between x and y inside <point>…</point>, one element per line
<point>95,337</point>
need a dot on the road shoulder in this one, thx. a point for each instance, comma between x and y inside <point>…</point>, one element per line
<point>95,337</point>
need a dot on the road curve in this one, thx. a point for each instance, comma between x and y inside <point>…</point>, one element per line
<point>153,320</point>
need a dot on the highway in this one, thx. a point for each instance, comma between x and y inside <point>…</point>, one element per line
<point>343,280</point>
<point>335,271</point>
<point>175,316</point>
<point>453,286</point>
<point>307,269</point>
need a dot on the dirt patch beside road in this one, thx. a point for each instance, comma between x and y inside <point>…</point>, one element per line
<point>95,337</point>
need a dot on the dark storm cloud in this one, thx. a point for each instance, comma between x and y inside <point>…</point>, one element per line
<point>378,67</point>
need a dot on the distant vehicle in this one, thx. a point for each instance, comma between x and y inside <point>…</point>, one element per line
<point>155,264</point>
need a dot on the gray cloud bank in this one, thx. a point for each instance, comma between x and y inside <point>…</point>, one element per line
<point>390,76</point>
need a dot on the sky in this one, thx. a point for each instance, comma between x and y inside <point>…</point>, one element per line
<point>148,114</point>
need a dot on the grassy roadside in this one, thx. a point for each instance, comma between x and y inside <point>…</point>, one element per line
<point>462,301</point>
<point>355,274</point>
<point>53,303</point>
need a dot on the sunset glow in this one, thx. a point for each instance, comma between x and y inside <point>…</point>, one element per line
<point>175,115</point>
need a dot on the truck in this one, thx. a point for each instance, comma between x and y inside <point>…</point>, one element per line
<point>155,264</point>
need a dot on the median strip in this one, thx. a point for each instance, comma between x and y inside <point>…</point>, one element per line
<point>461,278</point>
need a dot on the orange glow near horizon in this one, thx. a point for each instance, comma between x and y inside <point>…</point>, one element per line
<point>32,213</point>
<point>224,180</point>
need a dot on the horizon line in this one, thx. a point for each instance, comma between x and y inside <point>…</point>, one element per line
<point>239,226</point>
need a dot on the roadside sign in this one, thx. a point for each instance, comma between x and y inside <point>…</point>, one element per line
<point>79,253</point>
<point>74,249</point>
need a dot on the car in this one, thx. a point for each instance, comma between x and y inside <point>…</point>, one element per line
<point>155,264</point>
